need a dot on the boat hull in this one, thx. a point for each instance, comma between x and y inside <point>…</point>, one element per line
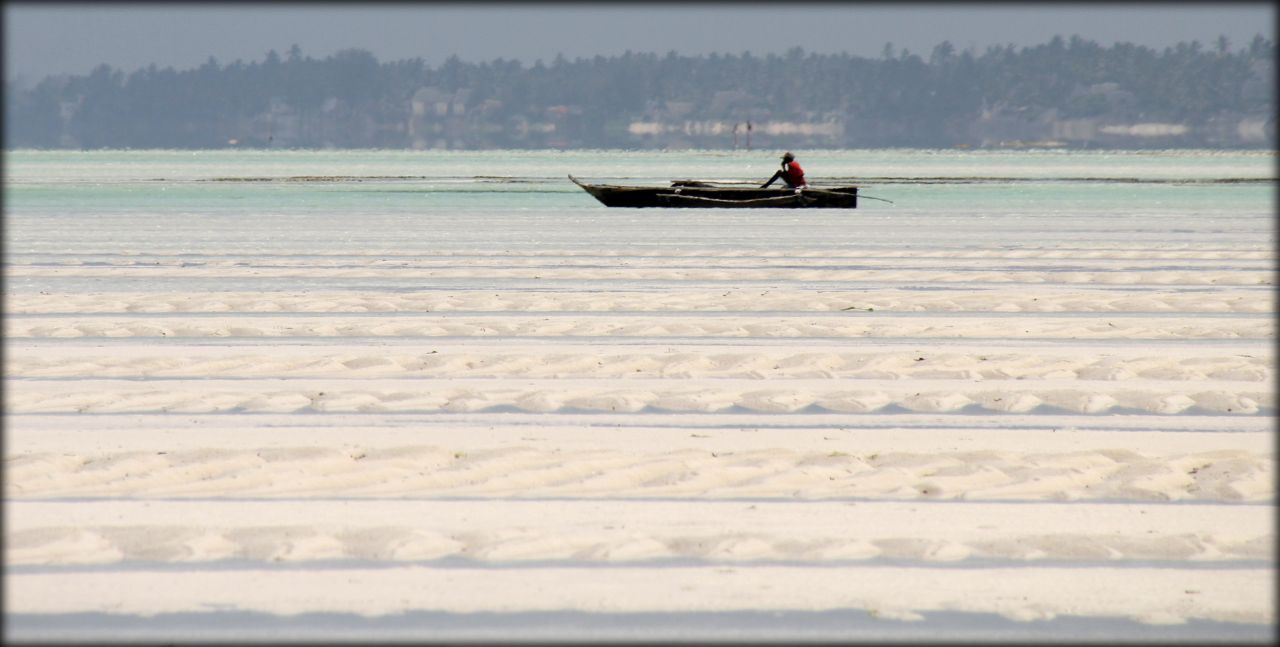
<point>704,197</point>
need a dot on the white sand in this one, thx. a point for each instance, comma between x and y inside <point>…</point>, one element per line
<point>1092,441</point>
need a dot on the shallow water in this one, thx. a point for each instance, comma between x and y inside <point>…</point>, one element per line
<point>158,207</point>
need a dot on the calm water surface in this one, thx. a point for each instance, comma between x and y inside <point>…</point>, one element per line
<point>133,207</point>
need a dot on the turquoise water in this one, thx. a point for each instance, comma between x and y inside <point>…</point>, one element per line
<point>98,207</point>
<point>425,182</point>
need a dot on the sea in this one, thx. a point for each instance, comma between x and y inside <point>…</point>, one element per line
<point>160,207</point>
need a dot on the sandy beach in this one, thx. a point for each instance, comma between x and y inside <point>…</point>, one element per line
<point>1017,445</point>
<point>1047,434</point>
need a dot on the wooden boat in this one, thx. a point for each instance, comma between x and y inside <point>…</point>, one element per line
<point>700,194</point>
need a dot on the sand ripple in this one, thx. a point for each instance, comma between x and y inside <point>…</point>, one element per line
<point>827,533</point>
<point>1034,432</point>
<point>634,395</point>
<point>527,471</point>
<point>682,300</point>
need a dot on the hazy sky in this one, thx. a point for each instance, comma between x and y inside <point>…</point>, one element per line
<point>42,39</point>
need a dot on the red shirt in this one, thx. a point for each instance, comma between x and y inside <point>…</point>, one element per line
<point>793,175</point>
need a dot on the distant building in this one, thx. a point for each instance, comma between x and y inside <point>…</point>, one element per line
<point>436,118</point>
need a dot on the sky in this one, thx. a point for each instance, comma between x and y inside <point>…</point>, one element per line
<point>42,39</point>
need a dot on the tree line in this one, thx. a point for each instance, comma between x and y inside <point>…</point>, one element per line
<point>216,105</point>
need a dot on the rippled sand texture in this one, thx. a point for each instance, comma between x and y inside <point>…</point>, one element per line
<point>445,395</point>
<point>1020,441</point>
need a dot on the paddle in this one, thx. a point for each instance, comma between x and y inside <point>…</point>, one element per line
<point>773,179</point>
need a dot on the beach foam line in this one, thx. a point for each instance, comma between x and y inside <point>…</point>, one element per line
<point>589,532</point>
<point>874,299</point>
<point>51,360</point>
<point>1029,593</point>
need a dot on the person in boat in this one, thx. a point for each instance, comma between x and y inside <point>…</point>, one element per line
<point>791,173</point>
